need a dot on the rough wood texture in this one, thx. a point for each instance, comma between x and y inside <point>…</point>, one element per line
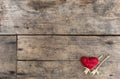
<point>66,47</point>
<point>60,16</point>
<point>57,57</point>
<point>61,49</point>
<point>65,70</point>
<point>7,57</point>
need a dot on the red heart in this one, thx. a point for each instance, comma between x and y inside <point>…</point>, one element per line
<point>89,62</point>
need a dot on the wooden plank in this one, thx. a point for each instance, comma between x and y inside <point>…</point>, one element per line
<point>66,47</point>
<point>1,12</point>
<point>61,17</point>
<point>65,70</point>
<point>7,57</point>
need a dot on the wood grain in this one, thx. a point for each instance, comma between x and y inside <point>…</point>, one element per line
<point>7,57</point>
<point>65,70</point>
<point>60,17</point>
<point>66,47</point>
<point>57,55</point>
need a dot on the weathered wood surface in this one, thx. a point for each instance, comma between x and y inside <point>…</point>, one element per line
<point>60,16</point>
<point>7,57</point>
<point>66,47</point>
<point>57,57</point>
<point>65,51</point>
<point>65,70</point>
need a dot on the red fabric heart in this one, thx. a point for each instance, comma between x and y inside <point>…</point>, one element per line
<point>89,62</point>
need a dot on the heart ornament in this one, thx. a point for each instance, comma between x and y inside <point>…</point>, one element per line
<point>89,62</point>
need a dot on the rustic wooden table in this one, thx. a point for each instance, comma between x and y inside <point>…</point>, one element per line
<point>44,39</point>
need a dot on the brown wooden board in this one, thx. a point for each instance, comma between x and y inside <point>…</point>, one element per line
<point>57,57</point>
<point>60,16</point>
<point>67,47</point>
<point>65,70</point>
<point>7,57</point>
<point>52,36</point>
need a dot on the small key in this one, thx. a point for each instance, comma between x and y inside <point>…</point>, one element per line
<point>95,71</point>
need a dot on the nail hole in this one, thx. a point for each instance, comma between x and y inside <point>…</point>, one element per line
<point>12,72</point>
<point>109,42</point>
<point>20,49</point>
<point>110,75</point>
<point>16,26</point>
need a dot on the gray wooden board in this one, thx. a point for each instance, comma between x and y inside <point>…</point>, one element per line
<point>65,70</point>
<point>7,57</point>
<point>67,47</point>
<point>60,16</point>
